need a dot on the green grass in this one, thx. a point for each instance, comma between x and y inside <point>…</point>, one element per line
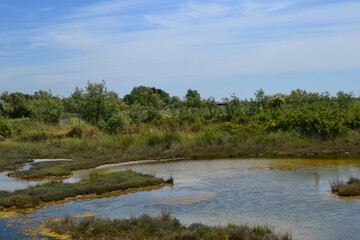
<point>346,189</point>
<point>90,148</point>
<point>164,227</point>
<point>94,184</point>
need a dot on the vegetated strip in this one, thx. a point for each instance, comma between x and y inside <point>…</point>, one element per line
<point>93,184</point>
<point>93,152</point>
<point>347,189</point>
<point>163,227</point>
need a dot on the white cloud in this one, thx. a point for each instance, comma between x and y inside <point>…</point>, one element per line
<point>218,40</point>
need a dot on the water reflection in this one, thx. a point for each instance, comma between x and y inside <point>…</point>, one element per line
<point>11,184</point>
<point>289,195</point>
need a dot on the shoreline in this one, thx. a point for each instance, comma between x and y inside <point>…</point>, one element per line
<point>341,155</point>
<point>85,197</point>
<point>97,186</point>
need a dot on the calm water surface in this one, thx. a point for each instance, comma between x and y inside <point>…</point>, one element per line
<point>288,195</point>
<point>11,184</point>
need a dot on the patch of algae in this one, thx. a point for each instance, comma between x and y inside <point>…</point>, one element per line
<point>85,215</point>
<point>43,230</point>
<point>188,199</point>
<point>8,214</point>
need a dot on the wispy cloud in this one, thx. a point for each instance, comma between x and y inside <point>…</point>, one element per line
<point>261,7</point>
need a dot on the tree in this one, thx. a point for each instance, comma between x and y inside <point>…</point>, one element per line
<point>72,104</point>
<point>150,98</point>
<point>2,107</point>
<point>344,100</point>
<point>260,100</point>
<point>257,105</point>
<point>46,107</point>
<point>276,102</point>
<point>17,104</point>
<point>232,105</point>
<point>210,105</point>
<point>175,102</point>
<point>95,104</point>
<point>5,128</point>
<point>192,99</point>
<point>92,105</point>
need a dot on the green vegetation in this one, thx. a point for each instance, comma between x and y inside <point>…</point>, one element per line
<point>164,227</point>
<point>349,188</point>
<point>95,126</point>
<point>92,184</point>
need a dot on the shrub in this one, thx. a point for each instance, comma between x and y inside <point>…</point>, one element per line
<point>23,201</point>
<point>5,128</point>
<point>349,188</point>
<point>212,136</point>
<point>76,132</point>
<point>336,185</point>
<point>80,131</point>
<point>117,123</point>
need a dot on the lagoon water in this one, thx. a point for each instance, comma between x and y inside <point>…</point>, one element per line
<point>288,195</point>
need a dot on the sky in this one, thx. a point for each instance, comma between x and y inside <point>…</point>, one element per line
<point>219,48</point>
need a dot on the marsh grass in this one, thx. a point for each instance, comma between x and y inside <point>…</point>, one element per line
<point>349,188</point>
<point>94,184</point>
<point>163,227</point>
<point>215,140</point>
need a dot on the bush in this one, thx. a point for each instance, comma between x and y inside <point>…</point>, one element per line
<point>212,137</point>
<point>47,109</point>
<point>5,128</point>
<point>117,123</point>
<point>76,132</point>
<point>80,131</point>
<point>349,188</point>
<point>23,201</point>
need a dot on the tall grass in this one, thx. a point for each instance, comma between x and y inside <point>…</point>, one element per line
<point>349,188</point>
<point>147,142</point>
<point>163,227</point>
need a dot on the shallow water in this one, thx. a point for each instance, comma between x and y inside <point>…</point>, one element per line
<point>11,184</point>
<point>289,195</point>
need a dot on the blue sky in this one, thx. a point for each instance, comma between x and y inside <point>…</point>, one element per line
<point>217,47</point>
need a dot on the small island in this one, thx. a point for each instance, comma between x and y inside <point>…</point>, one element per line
<point>346,189</point>
<point>92,185</point>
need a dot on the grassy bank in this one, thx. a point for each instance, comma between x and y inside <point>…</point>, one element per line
<point>215,141</point>
<point>95,126</point>
<point>164,227</point>
<point>92,184</point>
<point>347,189</point>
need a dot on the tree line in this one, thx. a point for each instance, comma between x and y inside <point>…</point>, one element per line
<point>308,113</point>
